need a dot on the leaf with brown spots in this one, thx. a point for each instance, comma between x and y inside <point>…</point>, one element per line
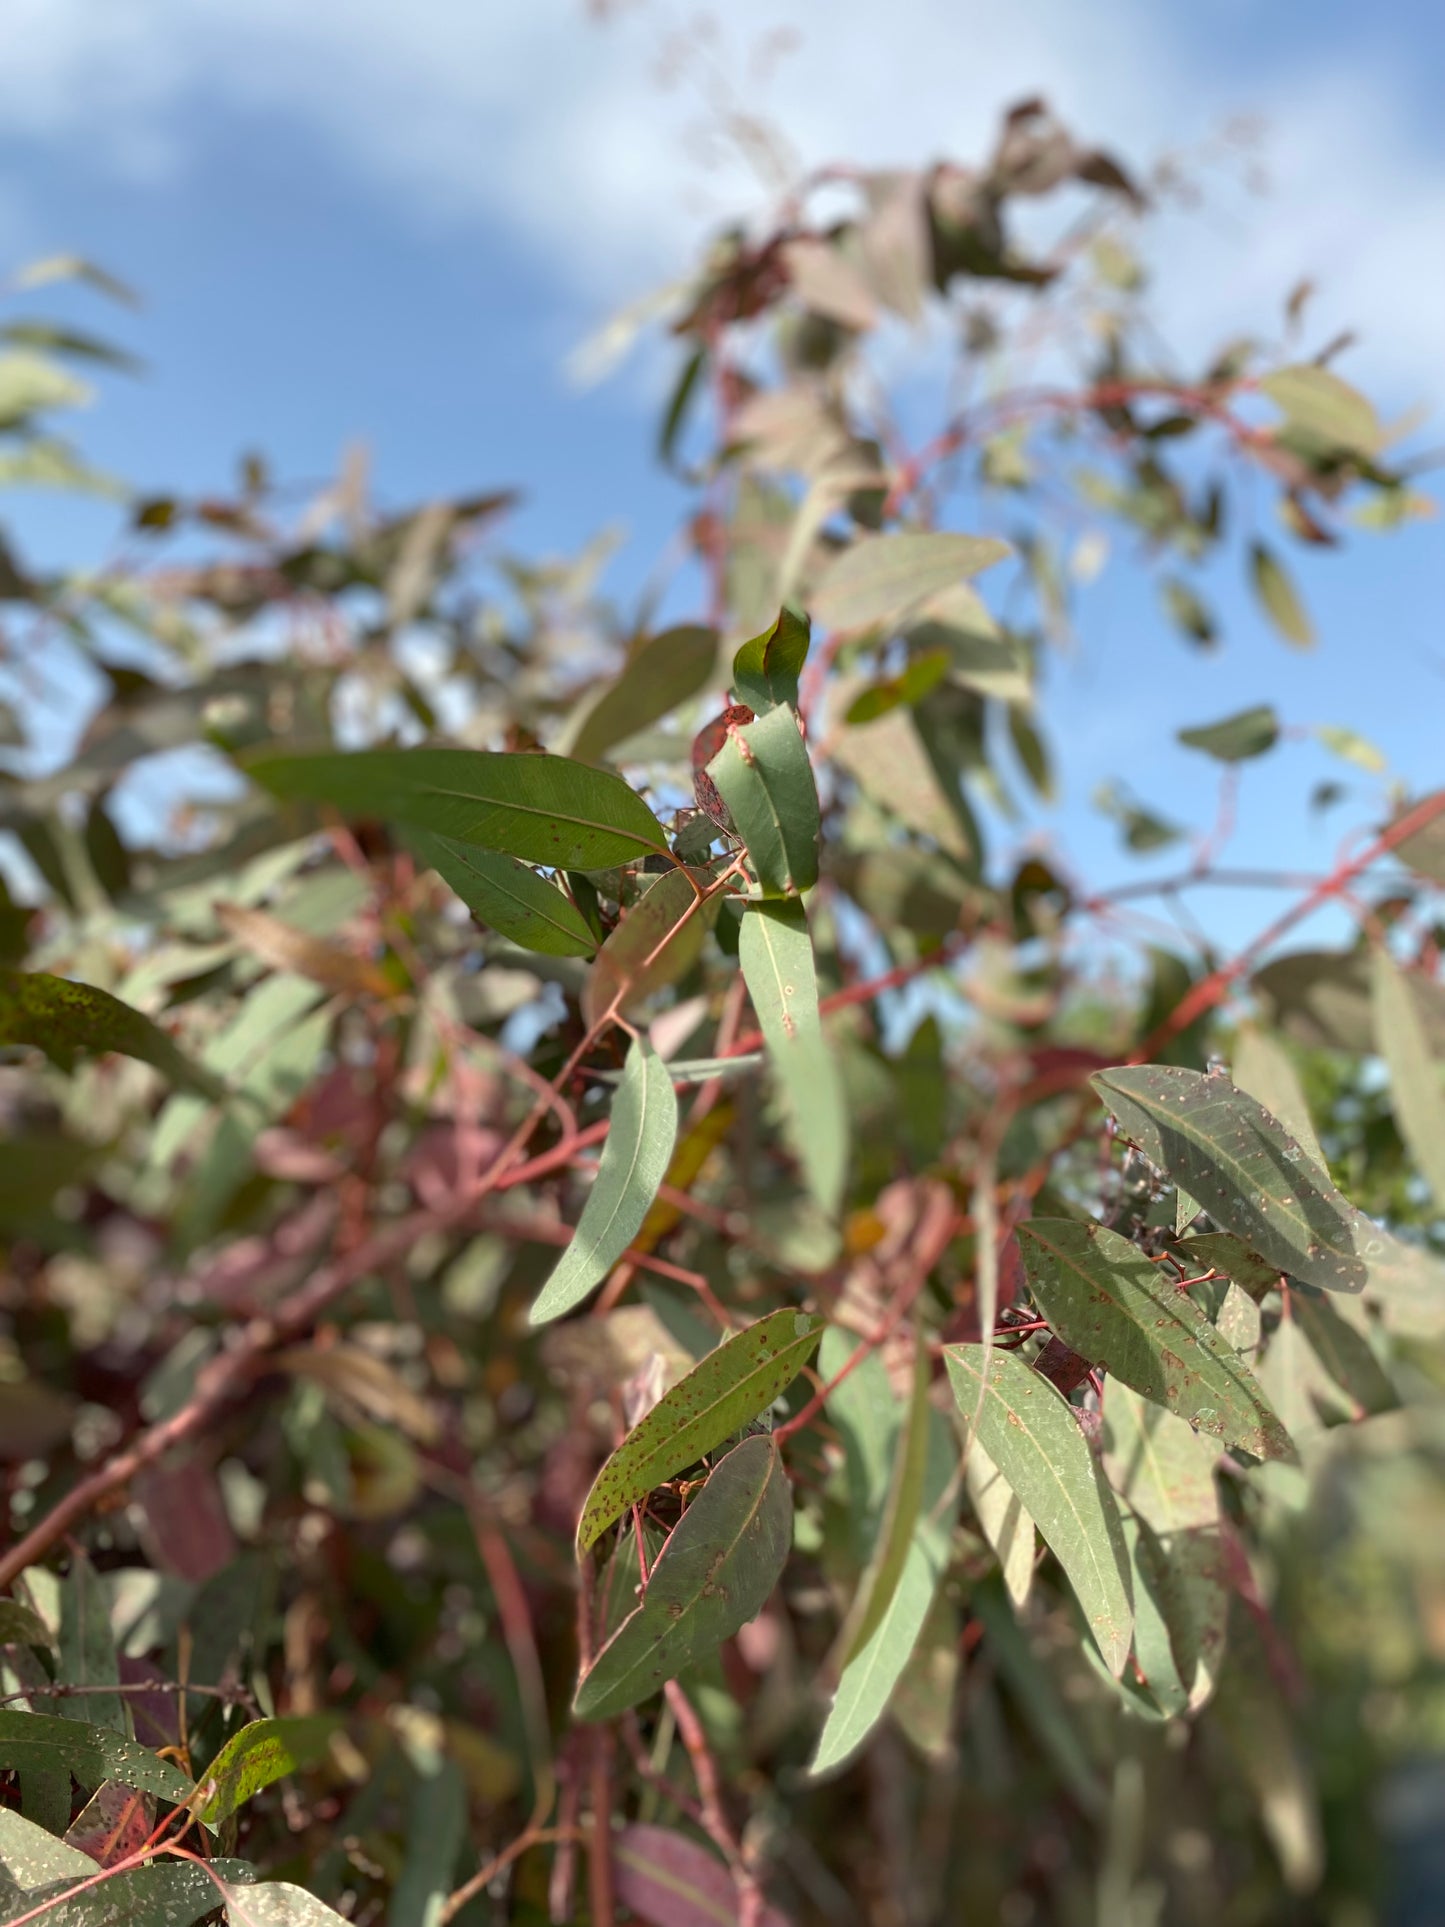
<point>717,1398</point>
<point>1107,1300</point>
<point>715,1573</point>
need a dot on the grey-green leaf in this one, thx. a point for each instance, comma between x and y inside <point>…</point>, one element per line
<point>62,1018</point>
<point>1416,1089</point>
<point>717,1398</point>
<point>1236,738</point>
<point>764,776</point>
<point>878,580</point>
<point>1247,1172</point>
<point>1280,598</point>
<point>506,896</point>
<point>38,1871</point>
<point>1030,1432</point>
<point>661,672</point>
<point>543,809</point>
<point>715,1573</point>
<point>260,1754</point>
<point>766,669</point>
<point>1115,1307</point>
<point>91,1753</point>
<point>658,940</point>
<point>87,1655</point>
<point>776,954</point>
<point>1326,409</point>
<point>888,1635</point>
<point>634,1162</point>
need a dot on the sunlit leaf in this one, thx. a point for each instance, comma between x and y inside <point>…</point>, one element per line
<point>634,1162</point>
<point>658,940</point>
<point>766,670</point>
<point>1279,596</point>
<point>507,896</point>
<point>86,1656</point>
<point>776,954</point>
<point>543,809</point>
<point>1327,409</point>
<point>715,1573</point>
<point>258,1756</point>
<point>91,1753</point>
<point>1029,1431</point>
<point>1005,1522</point>
<point>662,672</point>
<point>766,780</point>
<point>878,580</point>
<point>1117,1308</point>
<point>1234,740</point>
<point>717,1398</point>
<point>1416,1085</point>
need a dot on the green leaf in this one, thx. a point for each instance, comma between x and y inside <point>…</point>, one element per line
<point>1425,850</point>
<point>1160,1465</point>
<point>276,1903</point>
<point>87,1655</point>
<point>1416,1092</point>
<point>766,670</point>
<point>1030,1432</point>
<point>435,1833</point>
<point>1118,1309</point>
<point>60,1018</point>
<point>776,954</point>
<point>38,1871</point>
<point>1279,597</point>
<point>634,1162</point>
<point>1351,747</point>
<point>1181,1608</point>
<point>543,809</point>
<point>1188,611</point>
<point>1247,1172</point>
<point>661,672</point>
<point>258,1756</point>
<point>19,1626</point>
<point>715,1573</point>
<point>888,760</point>
<point>717,1398</point>
<point>881,579</point>
<point>764,776</point>
<point>91,1753</point>
<point>658,940</point>
<point>867,1414</point>
<point>1345,1354</point>
<point>1005,1523</point>
<point>1327,409</point>
<point>1262,1069</point>
<point>31,383</point>
<point>1236,738</point>
<point>889,1635</point>
<point>507,896</point>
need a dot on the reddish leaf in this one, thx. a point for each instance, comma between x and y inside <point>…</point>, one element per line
<point>671,1881</point>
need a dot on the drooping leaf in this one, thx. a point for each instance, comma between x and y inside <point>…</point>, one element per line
<point>1345,1354</point>
<point>1262,1068</point>
<point>669,1880</point>
<point>867,1415</point>
<point>1327,409</point>
<point>766,670</point>
<point>436,1830</point>
<point>86,1656</point>
<point>1005,1522</point>
<point>633,1164</point>
<point>717,1398</point>
<point>63,1018</point>
<point>1424,851</point>
<point>284,947</point>
<point>543,809</point>
<point>898,1601</point>
<point>662,672</point>
<point>715,1573</point>
<point>258,1756</point>
<point>1351,747</point>
<point>507,896</point>
<point>776,954</point>
<point>1279,597</point>
<point>1181,1612</point>
<point>1416,1088</point>
<point>879,580</point>
<point>277,1903</point>
<point>19,1626</point>
<point>1236,738</point>
<point>887,758</point>
<point>1117,1308</point>
<point>1159,1464</point>
<point>92,1753</point>
<point>39,1872</point>
<point>1249,1174</point>
<point>1029,1431</point>
<point>658,940</point>
<point>765,778</point>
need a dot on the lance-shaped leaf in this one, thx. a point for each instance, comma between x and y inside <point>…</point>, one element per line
<point>543,809</point>
<point>661,672</point>
<point>1425,850</point>
<point>1030,1432</point>
<point>277,1903</point>
<point>633,1164</point>
<point>1247,1172</point>
<point>19,1626</point>
<point>765,778</point>
<point>258,1756</point>
<point>42,1874</point>
<point>867,1415</point>
<point>63,1019</point>
<point>1416,1088</point>
<point>665,1877</point>
<point>1107,1301</point>
<point>880,579</point>
<point>766,670</point>
<point>92,1753</point>
<point>1276,591</point>
<point>87,1655</point>
<point>507,896</point>
<point>658,940</point>
<point>899,1591</point>
<point>776,954</point>
<point>1235,739</point>
<point>715,1400</point>
<point>1262,1069</point>
<point>1006,1525</point>
<point>715,1573</point>
<point>1325,409</point>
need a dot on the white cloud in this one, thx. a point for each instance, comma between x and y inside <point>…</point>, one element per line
<point>525,113</point>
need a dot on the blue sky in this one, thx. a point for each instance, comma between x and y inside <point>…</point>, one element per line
<point>351,220</point>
